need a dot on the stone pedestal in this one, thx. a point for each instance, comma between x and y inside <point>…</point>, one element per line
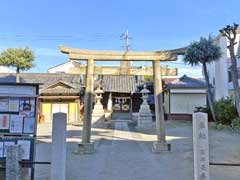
<point>85,148</point>
<point>159,147</point>
<point>145,115</point>
<point>98,114</point>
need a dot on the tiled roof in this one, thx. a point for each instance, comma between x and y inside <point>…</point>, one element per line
<point>64,91</point>
<point>46,80</point>
<point>186,82</point>
<point>169,80</point>
<point>122,84</point>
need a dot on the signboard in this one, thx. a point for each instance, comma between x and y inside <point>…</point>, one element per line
<point>21,90</point>
<point>4,121</point>
<point>13,105</point>
<point>18,115</point>
<point>3,104</point>
<point>16,124</point>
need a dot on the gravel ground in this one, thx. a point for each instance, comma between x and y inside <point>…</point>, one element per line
<point>123,152</point>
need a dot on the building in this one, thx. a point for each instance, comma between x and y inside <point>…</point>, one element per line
<point>118,90</point>
<point>219,71</point>
<point>64,67</point>
<point>58,93</point>
<point>182,95</point>
<point>4,69</point>
<point>122,94</point>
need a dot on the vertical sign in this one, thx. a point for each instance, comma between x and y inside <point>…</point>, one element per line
<point>200,146</point>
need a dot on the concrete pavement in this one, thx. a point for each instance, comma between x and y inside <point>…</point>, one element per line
<point>124,153</point>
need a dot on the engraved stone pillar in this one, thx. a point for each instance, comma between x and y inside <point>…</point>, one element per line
<point>160,145</point>
<point>58,163</point>
<point>144,115</point>
<point>13,168</point>
<point>86,147</point>
<point>98,115</point>
<point>110,102</point>
<point>200,146</point>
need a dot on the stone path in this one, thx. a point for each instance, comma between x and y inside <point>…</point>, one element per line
<point>124,153</point>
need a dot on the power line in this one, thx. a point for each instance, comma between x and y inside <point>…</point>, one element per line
<point>87,37</point>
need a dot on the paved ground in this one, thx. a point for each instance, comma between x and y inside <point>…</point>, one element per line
<point>124,153</point>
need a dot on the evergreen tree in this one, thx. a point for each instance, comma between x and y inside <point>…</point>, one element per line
<point>203,52</point>
<point>20,58</point>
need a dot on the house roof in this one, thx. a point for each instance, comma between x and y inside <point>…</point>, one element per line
<point>122,84</point>
<point>71,82</point>
<point>185,82</point>
<point>169,80</point>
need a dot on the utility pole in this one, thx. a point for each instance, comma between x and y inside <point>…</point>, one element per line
<point>126,37</point>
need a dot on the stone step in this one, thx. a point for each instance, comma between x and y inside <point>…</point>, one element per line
<point>119,120</point>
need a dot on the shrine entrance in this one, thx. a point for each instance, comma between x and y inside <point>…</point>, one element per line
<point>86,146</point>
<point>121,104</point>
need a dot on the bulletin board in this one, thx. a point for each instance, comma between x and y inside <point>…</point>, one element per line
<point>18,109</point>
<point>18,118</point>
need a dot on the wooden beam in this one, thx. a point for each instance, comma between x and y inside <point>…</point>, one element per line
<point>162,57</point>
<point>58,97</point>
<point>80,54</point>
<point>99,70</point>
<point>69,50</point>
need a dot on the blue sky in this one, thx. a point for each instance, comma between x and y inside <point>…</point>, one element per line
<point>97,24</point>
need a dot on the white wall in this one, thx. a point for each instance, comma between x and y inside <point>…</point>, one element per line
<point>4,69</point>
<point>64,68</point>
<point>186,103</point>
<point>221,71</point>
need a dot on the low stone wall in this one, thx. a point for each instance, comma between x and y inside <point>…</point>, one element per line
<point>178,117</point>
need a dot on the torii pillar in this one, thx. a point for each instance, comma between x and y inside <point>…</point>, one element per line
<point>160,145</point>
<point>86,146</point>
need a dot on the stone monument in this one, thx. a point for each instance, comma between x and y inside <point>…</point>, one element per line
<point>59,146</point>
<point>13,168</point>
<point>145,115</point>
<point>98,111</point>
<point>200,146</point>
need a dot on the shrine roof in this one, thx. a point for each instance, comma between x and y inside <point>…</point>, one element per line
<point>121,84</point>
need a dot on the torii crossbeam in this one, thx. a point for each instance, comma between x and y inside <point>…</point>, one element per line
<point>90,56</point>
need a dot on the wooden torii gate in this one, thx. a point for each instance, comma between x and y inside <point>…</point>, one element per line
<point>90,56</point>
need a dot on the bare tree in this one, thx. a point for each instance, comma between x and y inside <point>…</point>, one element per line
<point>230,32</point>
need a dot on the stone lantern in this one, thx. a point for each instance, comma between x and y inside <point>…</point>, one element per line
<point>144,115</point>
<point>98,111</point>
